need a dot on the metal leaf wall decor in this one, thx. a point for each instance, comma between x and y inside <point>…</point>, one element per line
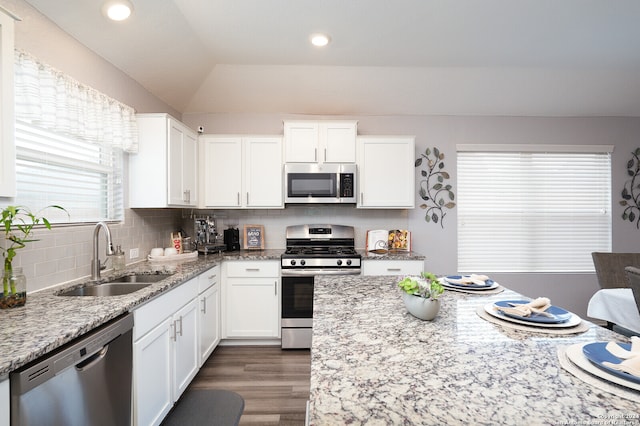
<point>631,191</point>
<point>436,194</point>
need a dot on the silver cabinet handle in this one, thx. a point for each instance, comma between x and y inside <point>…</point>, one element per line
<point>275,287</point>
<point>315,154</point>
<point>247,198</point>
<point>361,198</point>
<point>180,320</point>
<point>238,199</point>
<point>393,269</point>
<point>204,305</point>
<point>252,269</point>
<point>212,276</point>
<point>325,155</point>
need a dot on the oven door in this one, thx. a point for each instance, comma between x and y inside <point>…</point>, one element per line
<point>297,311</point>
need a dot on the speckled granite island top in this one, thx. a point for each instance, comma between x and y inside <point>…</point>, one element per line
<point>373,363</point>
<point>48,321</point>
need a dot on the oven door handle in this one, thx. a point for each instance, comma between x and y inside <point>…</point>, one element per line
<point>313,272</point>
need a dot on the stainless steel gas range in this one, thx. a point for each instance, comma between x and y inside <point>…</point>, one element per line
<point>311,250</point>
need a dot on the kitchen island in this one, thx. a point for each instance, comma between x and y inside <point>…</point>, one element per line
<point>373,363</point>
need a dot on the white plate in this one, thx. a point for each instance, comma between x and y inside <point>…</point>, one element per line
<point>571,322</point>
<point>576,356</point>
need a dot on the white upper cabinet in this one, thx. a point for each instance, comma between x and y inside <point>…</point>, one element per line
<point>386,172</point>
<point>164,171</point>
<point>7,144</point>
<point>241,171</point>
<point>320,141</point>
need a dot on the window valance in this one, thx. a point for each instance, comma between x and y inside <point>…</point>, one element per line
<point>54,101</point>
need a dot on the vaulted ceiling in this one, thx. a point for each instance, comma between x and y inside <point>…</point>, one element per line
<point>473,57</point>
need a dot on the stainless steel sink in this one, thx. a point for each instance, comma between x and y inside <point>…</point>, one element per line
<point>107,289</point>
<point>117,286</point>
<point>139,278</point>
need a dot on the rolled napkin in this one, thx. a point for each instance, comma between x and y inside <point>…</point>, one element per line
<point>630,365</point>
<point>536,306</point>
<point>618,351</point>
<point>470,279</point>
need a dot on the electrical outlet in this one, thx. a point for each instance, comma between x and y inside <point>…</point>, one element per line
<point>133,253</point>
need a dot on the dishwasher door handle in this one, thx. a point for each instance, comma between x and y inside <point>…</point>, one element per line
<point>93,359</point>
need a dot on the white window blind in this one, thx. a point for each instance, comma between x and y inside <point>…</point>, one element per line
<point>82,177</point>
<point>540,211</point>
<point>70,140</point>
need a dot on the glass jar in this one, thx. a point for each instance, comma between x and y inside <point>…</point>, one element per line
<point>118,259</point>
<point>14,289</point>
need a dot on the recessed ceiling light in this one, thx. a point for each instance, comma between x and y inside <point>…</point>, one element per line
<point>117,10</point>
<point>320,40</point>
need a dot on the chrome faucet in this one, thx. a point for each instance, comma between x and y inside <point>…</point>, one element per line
<point>96,266</point>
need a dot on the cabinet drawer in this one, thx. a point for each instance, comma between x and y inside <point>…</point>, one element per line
<point>208,278</point>
<point>153,313</point>
<point>392,267</point>
<point>257,268</point>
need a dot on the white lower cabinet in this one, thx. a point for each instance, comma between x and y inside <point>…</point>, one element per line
<point>165,352</point>
<point>208,313</point>
<point>392,267</point>
<point>251,299</point>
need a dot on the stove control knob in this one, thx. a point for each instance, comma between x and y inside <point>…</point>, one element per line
<point>339,262</point>
<point>302,262</point>
<point>293,263</point>
<point>349,262</point>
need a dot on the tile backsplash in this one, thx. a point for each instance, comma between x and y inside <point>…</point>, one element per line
<point>64,253</point>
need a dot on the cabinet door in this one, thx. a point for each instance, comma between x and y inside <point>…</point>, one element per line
<point>190,167</point>
<point>301,141</point>
<point>186,359</point>
<point>7,144</point>
<point>338,141</point>
<point>222,170</point>
<point>252,307</point>
<point>181,164</point>
<point>152,362</point>
<point>386,172</point>
<point>263,172</point>
<point>209,322</point>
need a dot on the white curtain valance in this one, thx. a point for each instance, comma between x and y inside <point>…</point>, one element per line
<point>52,100</point>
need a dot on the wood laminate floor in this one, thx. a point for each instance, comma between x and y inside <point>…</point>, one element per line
<point>273,382</point>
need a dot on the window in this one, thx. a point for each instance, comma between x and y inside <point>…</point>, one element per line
<point>70,141</point>
<point>533,209</point>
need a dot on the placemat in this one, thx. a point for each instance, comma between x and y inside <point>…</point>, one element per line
<point>575,351</point>
<point>496,290</point>
<point>580,328</point>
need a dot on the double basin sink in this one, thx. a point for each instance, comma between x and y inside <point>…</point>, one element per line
<point>117,286</point>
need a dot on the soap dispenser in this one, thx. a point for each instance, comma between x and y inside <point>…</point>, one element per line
<point>118,259</point>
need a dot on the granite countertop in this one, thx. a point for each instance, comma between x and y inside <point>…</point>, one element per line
<point>374,363</point>
<point>48,321</point>
<point>391,255</point>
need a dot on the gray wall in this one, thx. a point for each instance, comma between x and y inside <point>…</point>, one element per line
<point>64,253</point>
<point>440,244</point>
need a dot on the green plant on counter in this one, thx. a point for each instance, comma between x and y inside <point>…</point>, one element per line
<point>18,223</point>
<point>426,286</point>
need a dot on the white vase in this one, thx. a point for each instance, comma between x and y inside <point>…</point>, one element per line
<point>419,307</point>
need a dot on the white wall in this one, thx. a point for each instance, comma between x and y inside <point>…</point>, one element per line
<point>439,244</point>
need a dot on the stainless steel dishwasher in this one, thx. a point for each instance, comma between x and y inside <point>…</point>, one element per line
<point>86,382</point>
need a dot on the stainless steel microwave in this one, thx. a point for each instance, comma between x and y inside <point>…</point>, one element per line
<point>320,183</point>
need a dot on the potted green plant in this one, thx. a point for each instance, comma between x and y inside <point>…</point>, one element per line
<point>17,223</point>
<point>421,295</point>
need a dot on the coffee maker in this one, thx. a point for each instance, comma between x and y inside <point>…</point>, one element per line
<point>232,239</point>
<point>207,237</point>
